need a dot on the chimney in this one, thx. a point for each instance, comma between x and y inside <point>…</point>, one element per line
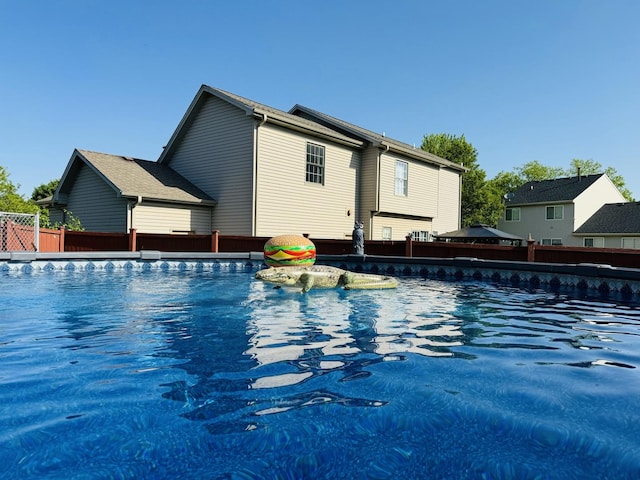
<point>579,173</point>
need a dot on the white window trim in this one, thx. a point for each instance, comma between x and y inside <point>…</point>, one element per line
<point>317,167</point>
<point>555,209</point>
<point>401,184</point>
<point>513,210</point>
<point>598,242</point>
<point>550,241</point>
<point>387,233</point>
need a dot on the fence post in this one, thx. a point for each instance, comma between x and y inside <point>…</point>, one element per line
<point>214,241</point>
<point>61,240</point>
<point>531,249</point>
<point>408,248</point>
<point>132,240</point>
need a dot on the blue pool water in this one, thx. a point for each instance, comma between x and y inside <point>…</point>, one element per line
<point>214,375</point>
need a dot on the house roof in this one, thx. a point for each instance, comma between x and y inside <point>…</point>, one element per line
<point>564,189</point>
<point>300,119</point>
<point>479,232</point>
<point>133,178</point>
<point>371,137</point>
<point>613,218</point>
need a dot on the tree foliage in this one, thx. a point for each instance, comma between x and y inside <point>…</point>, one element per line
<point>10,199</point>
<point>480,203</point>
<point>45,190</point>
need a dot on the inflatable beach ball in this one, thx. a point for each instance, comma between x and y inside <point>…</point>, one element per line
<point>285,250</point>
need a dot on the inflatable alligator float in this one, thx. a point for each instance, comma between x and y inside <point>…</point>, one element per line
<point>322,276</point>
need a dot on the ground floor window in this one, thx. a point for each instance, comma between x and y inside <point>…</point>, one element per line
<point>597,242</point>
<point>386,233</point>
<point>551,241</point>
<point>420,235</point>
<point>631,242</point>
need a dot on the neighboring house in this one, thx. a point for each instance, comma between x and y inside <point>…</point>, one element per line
<point>614,225</point>
<point>551,211</point>
<point>110,193</point>
<point>273,172</point>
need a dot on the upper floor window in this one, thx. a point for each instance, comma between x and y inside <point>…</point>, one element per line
<point>555,212</point>
<point>402,178</point>
<point>594,242</point>
<point>315,163</point>
<point>512,214</point>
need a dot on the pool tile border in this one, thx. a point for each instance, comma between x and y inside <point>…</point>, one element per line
<point>581,278</point>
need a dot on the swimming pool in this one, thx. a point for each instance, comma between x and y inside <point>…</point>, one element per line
<point>212,374</point>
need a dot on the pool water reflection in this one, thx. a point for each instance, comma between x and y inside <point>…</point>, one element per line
<point>216,375</point>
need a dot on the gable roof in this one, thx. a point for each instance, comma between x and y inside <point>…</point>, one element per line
<point>300,119</point>
<point>133,178</point>
<point>613,218</point>
<point>557,190</point>
<point>261,112</point>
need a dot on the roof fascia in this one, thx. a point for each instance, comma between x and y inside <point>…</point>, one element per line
<point>303,128</point>
<point>143,198</point>
<point>375,141</point>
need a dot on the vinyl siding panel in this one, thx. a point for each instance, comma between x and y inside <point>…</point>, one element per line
<point>422,190</point>
<point>368,188</point>
<point>447,218</point>
<point>96,204</point>
<point>533,221</point>
<point>589,202</point>
<point>162,218</point>
<point>400,227</point>
<point>216,154</point>
<point>286,203</point>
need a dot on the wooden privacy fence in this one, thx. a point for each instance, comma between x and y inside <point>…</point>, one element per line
<point>71,241</point>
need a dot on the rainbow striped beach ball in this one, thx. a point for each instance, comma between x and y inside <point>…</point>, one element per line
<point>289,250</point>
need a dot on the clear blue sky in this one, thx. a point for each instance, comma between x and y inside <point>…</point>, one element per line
<point>546,80</point>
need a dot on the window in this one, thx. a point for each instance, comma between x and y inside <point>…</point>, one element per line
<point>420,235</point>
<point>315,163</point>
<point>402,178</point>
<point>597,242</point>
<point>631,242</point>
<point>512,214</point>
<point>555,212</point>
<point>551,241</point>
<point>386,233</point>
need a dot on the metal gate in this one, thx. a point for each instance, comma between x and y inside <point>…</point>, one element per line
<point>19,232</point>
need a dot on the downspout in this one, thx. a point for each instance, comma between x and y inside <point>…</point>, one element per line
<point>133,205</point>
<point>378,180</point>
<point>254,213</point>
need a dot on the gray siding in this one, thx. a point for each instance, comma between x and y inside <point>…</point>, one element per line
<point>286,203</point>
<point>216,155</point>
<point>164,218</point>
<point>96,204</point>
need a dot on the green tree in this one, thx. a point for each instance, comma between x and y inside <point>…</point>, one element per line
<point>478,201</point>
<point>10,199</point>
<point>45,190</point>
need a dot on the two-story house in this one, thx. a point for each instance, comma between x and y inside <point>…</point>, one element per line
<point>551,211</point>
<point>269,172</point>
